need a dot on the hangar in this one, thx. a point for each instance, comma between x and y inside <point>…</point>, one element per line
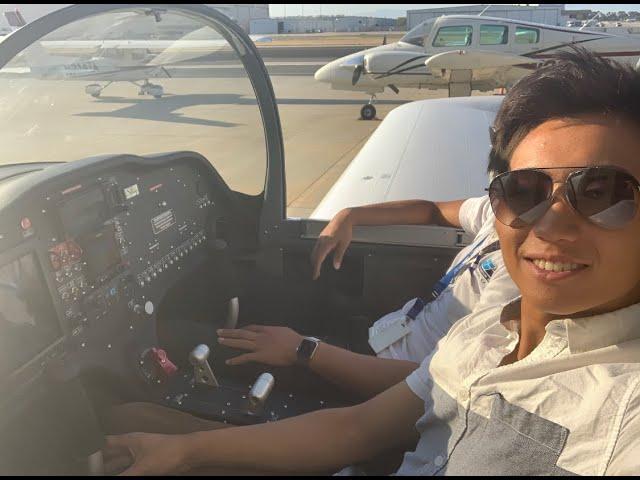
<point>549,13</point>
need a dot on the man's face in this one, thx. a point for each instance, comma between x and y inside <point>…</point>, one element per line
<point>608,276</point>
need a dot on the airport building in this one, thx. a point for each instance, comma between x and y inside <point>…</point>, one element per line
<point>546,13</point>
<point>244,13</point>
<point>319,24</point>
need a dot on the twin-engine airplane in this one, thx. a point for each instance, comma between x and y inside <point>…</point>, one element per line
<point>464,53</point>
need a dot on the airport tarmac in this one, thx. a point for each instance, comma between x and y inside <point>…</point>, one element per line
<point>210,109</point>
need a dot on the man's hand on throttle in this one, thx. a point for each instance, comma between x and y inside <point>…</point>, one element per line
<point>275,346</point>
<point>336,236</point>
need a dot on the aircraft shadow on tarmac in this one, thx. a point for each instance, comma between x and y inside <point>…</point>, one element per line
<point>164,109</point>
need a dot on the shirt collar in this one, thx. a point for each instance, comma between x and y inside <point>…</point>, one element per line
<point>599,331</point>
<point>585,333</point>
<point>510,315</point>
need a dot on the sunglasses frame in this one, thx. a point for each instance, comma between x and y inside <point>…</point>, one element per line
<point>565,191</point>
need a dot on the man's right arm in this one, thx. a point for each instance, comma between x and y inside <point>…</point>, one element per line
<point>338,232</point>
<point>317,442</point>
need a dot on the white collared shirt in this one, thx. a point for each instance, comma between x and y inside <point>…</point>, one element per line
<point>572,406</point>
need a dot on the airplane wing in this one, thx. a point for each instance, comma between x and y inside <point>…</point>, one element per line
<point>412,154</point>
<point>184,47</point>
<point>125,74</point>
<point>477,59</point>
<point>76,47</point>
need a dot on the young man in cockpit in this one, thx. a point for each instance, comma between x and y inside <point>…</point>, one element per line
<point>544,384</point>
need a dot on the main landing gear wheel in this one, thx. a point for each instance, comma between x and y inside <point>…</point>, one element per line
<point>368,112</point>
<point>93,89</point>
<point>156,91</point>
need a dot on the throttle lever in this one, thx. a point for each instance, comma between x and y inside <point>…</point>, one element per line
<point>260,391</point>
<point>202,372</point>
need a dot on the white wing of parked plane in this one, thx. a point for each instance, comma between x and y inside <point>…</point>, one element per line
<point>477,59</point>
<point>430,149</point>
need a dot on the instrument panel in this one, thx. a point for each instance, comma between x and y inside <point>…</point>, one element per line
<point>87,252</point>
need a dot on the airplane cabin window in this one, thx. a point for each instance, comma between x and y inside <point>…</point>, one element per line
<point>131,82</point>
<point>419,41</point>
<point>493,35</point>
<point>417,35</point>
<point>458,36</point>
<point>527,35</point>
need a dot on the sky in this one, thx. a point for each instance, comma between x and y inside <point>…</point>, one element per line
<point>399,10</point>
<point>35,10</point>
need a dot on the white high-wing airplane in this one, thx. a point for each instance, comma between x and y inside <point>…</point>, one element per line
<point>115,60</point>
<point>464,53</point>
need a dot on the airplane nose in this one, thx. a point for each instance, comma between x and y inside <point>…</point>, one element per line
<point>324,74</point>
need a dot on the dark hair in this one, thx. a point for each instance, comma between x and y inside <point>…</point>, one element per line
<point>573,83</point>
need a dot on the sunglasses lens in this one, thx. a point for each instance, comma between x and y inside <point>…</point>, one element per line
<point>605,196</point>
<point>520,197</point>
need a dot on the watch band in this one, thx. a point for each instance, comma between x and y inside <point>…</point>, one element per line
<point>306,350</point>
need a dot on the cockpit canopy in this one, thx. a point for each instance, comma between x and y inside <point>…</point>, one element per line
<point>136,80</point>
<point>416,35</point>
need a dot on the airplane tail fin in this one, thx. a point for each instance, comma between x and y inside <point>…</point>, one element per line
<point>15,19</point>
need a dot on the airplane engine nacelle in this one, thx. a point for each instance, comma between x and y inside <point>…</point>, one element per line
<point>395,63</point>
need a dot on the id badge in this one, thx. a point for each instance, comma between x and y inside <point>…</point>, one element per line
<point>380,339</point>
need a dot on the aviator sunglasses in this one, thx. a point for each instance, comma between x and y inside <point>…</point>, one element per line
<point>606,196</point>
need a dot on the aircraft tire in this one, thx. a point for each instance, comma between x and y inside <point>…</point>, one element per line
<point>368,112</point>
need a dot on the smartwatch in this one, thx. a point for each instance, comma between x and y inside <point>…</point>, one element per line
<point>306,350</point>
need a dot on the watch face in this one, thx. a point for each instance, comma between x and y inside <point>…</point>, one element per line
<point>306,349</point>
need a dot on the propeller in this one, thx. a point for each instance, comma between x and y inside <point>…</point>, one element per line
<point>394,88</point>
<point>357,72</point>
<point>384,40</point>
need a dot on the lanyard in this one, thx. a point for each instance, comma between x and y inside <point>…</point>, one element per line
<point>445,281</point>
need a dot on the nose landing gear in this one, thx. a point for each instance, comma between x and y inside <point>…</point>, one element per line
<point>368,111</point>
<point>95,89</point>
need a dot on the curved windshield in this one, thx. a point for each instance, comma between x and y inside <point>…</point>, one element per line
<point>141,81</point>
<point>416,35</point>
